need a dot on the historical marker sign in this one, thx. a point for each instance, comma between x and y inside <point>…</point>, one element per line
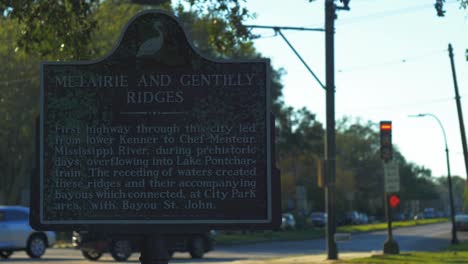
<point>156,134</point>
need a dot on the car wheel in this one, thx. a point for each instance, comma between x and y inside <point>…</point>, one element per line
<point>91,254</point>
<point>36,246</point>
<point>4,254</point>
<point>121,249</point>
<point>197,248</point>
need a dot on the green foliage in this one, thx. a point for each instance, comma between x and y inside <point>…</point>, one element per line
<point>34,30</point>
<point>465,198</point>
<point>299,138</point>
<point>464,3</point>
<point>458,187</point>
<point>19,78</point>
<point>384,225</point>
<point>70,30</point>
<point>416,182</point>
<point>454,254</point>
<point>312,233</point>
<point>61,29</point>
<point>229,238</point>
<point>359,168</point>
<point>224,15</point>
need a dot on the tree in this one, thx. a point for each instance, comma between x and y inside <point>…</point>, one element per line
<point>458,185</point>
<point>21,54</point>
<point>19,76</point>
<point>359,168</point>
<point>464,3</point>
<point>48,26</point>
<point>299,138</point>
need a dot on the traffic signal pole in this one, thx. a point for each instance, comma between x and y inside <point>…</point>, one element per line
<point>388,214</point>
<point>330,146</point>
<point>386,154</point>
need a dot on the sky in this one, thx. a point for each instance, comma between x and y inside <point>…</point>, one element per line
<point>391,61</point>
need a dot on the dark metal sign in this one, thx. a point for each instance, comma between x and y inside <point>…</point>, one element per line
<point>155,134</point>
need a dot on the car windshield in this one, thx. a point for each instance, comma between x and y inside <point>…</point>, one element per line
<point>317,215</point>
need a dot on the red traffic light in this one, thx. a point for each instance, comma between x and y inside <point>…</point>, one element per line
<point>386,151</point>
<point>385,126</point>
<point>394,200</point>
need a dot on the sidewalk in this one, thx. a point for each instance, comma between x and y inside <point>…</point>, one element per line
<point>312,259</point>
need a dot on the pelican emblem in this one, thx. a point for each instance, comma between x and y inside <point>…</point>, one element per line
<point>152,45</point>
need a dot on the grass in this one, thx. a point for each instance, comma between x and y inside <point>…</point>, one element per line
<point>383,226</point>
<point>445,257</point>
<point>312,233</point>
<point>453,254</point>
<point>263,236</point>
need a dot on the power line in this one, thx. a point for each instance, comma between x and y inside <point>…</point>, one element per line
<point>409,104</point>
<point>409,59</point>
<point>387,13</point>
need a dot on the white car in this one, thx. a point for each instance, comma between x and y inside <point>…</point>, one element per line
<point>16,233</point>
<point>288,221</point>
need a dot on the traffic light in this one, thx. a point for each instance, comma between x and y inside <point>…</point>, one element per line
<point>386,151</point>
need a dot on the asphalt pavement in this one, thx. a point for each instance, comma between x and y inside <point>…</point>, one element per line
<point>418,238</point>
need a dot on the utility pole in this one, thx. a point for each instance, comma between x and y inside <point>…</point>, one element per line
<point>459,110</point>
<point>330,147</point>
<point>330,142</point>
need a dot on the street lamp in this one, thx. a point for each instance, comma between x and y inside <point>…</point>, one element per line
<point>452,208</point>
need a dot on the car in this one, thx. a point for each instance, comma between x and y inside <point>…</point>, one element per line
<point>16,234</point>
<point>461,222</point>
<point>318,219</point>
<point>121,246</point>
<point>363,218</point>
<point>429,213</point>
<point>352,218</point>
<point>399,217</point>
<point>288,221</point>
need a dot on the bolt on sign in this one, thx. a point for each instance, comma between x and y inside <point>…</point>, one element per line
<point>156,134</point>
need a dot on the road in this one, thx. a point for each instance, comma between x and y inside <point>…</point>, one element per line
<point>427,238</point>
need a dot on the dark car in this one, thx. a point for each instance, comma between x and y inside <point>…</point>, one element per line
<point>352,218</point>
<point>318,219</point>
<point>429,213</point>
<point>461,222</point>
<point>121,247</point>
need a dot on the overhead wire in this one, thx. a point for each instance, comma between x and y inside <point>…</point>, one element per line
<point>411,104</point>
<point>409,59</point>
<point>388,13</point>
